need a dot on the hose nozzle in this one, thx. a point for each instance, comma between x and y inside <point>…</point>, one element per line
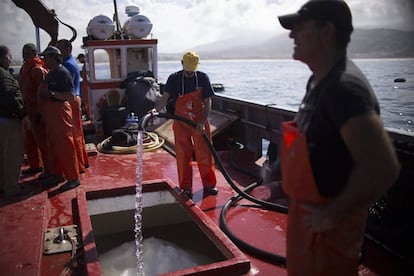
<point>144,120</point>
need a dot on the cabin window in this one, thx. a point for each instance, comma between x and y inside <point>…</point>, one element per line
<point>139,59</point>
<point>107,63</point>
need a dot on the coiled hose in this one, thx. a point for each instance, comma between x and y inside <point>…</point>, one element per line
<point>152,143</point>
<point>281,260</point>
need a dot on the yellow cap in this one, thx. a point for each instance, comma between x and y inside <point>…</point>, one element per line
<point>190,61</point>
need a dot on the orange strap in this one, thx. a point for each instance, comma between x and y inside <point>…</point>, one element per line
<point>298,180</point>
<point>334,252</point>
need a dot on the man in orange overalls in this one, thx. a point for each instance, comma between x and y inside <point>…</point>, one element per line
<point>70,64</point>
<point>32,74</point>
<point>337,158</point>
<point>192,92</point>
<point>56,95</point>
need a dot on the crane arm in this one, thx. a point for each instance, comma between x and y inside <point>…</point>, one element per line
<point>42,17</point>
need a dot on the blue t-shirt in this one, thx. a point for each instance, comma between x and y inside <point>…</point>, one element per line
<point>59,80</point>
<point>72,66</point>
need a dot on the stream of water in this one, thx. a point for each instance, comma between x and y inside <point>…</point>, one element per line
<point>138,206</point>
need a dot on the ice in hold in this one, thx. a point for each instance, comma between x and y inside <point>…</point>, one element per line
<point>159,257</point>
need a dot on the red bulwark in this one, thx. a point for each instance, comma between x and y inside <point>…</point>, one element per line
<point>22,225</point>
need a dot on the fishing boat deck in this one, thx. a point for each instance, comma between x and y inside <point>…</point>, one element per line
<point>23,223</point>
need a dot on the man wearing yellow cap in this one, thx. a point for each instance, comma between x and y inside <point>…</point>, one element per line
<point>192,92</point>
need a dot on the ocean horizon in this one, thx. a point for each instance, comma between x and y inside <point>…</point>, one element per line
<point>281,83</point>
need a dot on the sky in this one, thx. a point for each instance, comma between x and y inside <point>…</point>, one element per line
<point>180,25</point>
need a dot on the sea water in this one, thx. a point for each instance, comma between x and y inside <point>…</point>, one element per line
<point>282,82</point>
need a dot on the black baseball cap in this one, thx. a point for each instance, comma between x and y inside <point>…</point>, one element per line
<point>50,50</point>
<point>334,11</point>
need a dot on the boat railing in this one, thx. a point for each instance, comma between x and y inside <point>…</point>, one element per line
<point>257,125</point>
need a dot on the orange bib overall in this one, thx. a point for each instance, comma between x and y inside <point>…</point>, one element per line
<point>187,139</point>
<point>32,74</point>
<point>82,155</point>
<point>58,119</point>
<point>41,136</point>
<point>334,252</point>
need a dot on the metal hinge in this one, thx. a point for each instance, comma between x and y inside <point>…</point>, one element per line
<point>60,239</point>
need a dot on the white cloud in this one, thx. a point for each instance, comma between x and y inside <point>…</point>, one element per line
<point>397,14</point>
<point>182,24</point>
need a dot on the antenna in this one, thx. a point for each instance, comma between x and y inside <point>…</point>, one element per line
<point>116,19</point>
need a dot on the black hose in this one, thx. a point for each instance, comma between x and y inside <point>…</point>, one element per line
<point>271,206</point>
<point>240,193</point>
<point>268,256</point>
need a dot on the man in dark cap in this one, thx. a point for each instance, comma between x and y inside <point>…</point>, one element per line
<point>337,158</point>
<point>56,95</point>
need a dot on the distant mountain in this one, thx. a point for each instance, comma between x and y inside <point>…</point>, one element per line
<point>382,43</point>
<point>366,43</point>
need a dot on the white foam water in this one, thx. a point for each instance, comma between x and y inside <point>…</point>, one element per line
<point>138,206</point>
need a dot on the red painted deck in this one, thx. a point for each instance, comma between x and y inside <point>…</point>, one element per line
<point>23,223</point>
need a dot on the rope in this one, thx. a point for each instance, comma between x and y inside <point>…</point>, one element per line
<point>154,142</point>
<point>68,267</point>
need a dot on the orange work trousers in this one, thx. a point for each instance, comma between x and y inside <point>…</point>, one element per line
<point>83,160</point>
<point>333,252</point>
<point>58,120</point>
<point>30,144</point>
<point>39,131</point>
<point>187,140</point>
